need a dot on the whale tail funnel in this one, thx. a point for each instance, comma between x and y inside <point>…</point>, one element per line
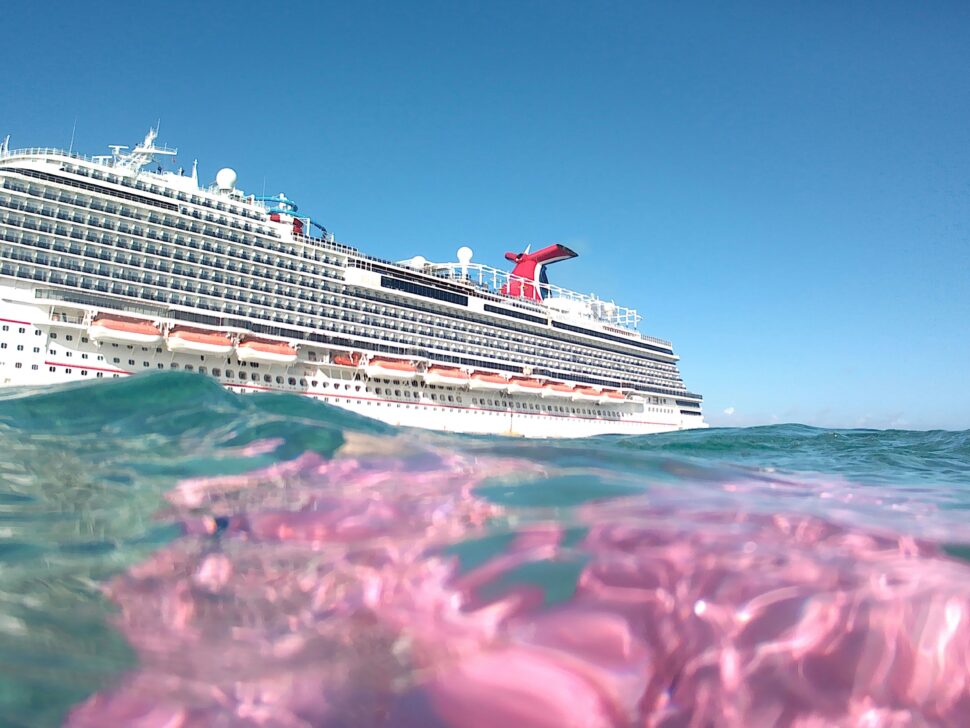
<point>529,274</point>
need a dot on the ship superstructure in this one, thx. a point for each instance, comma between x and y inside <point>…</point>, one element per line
<point>112,265</point>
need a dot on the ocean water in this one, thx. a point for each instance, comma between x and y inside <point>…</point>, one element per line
<point>172,554</point>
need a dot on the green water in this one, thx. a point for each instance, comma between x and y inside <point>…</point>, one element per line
<point>84,470</point>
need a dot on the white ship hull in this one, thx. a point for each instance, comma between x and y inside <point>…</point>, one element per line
<point>38,351</point>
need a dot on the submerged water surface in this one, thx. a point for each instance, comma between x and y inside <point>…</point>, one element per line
<point>172,554</point>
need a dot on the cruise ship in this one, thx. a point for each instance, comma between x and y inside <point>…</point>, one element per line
<point>118,264</point>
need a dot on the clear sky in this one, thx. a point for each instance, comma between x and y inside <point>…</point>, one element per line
<point>781,189</point>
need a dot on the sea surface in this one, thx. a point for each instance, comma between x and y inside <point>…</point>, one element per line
<point>172,554</point>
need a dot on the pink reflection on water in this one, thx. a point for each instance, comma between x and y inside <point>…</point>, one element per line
<point>315,592</point>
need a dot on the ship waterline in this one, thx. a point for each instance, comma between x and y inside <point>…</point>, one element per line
<point>107,270</point>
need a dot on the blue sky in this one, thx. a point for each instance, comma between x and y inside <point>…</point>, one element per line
<point>783,190</point>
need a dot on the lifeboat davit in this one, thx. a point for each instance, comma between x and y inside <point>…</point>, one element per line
<point>124,330</point>
<point>348,359</point>
<point>587,394</point>
<point>199,342</point>
<point>611,396</point>
<point>484,380</point>
<point>390,368</point>
<point>524,385</point>
<point>270,352</point>
<point>446,376</point>
<point>558,390</point>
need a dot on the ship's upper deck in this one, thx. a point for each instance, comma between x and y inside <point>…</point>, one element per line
<point>131,168</point>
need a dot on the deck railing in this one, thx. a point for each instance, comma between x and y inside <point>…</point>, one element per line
<point>503,283</point>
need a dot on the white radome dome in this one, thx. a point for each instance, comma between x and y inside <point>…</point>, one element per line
<point>417,262</point>
<point>226,179</point>
<point>464,255</point>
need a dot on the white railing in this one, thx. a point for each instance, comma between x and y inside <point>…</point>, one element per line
<point>571,303</point>
<point>41,152</point>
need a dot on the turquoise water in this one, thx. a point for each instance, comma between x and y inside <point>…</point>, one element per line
<point>171,549</point>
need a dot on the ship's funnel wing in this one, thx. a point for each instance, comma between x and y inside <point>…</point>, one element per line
<point>529,270</point>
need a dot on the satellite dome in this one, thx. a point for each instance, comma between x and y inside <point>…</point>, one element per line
<point>226,179</point>
<point>464,255</point>
<point>417,262</point>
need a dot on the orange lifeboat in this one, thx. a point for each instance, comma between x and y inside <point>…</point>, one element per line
<point>558,390</point>
<point>587,394</point>
<point>270,352</point>
<point>196,341</point>
<point>524,385</point>
<point>124,330</point>
<point>611,396</point>
<point>446,376</point>
<point>348,359</point>
<point>390,368</point>
<point>487,381</point>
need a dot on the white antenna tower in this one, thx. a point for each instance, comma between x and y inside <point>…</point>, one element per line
<point>142,154</point>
